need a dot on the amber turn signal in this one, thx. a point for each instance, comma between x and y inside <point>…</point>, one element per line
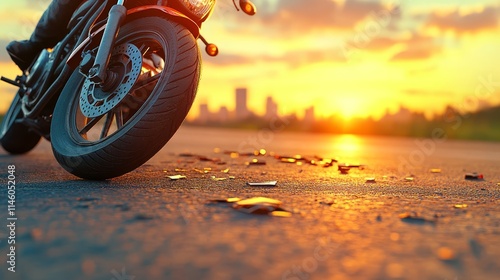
<point>248,7</point>
<point>212,50</point>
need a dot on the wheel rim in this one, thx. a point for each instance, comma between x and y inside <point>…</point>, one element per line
<point>126,65</point>
<point>93,121</point>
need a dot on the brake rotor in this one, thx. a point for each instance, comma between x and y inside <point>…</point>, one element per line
<point>126,61</point>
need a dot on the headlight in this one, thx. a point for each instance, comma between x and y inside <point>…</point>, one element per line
<point>200,8</point>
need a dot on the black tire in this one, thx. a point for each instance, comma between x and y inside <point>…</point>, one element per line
<point>16,138</point>
<point>145,131</point>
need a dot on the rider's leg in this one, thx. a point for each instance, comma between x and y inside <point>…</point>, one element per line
<point>49,31</point>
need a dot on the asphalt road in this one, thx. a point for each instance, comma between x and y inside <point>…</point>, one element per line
<point>145,226</point>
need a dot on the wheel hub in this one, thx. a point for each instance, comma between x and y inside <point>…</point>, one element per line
<point>125,64</point>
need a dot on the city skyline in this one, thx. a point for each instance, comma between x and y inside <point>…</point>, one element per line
<point>307,114</point>
<point>242,111</point>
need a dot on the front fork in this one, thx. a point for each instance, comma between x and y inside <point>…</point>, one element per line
<point>95,69</point>
<point>117,14</point>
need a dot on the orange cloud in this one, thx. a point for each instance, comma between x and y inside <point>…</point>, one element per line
<point>418,47</point>
<point>469,23</point>
<point>303,16</point>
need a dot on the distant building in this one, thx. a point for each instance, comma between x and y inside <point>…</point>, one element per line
<point>204,113</point>
<point>223,115</point>
<point>271,108</point>
<point>241,104</point>
<point>401,116</point>
<point>309,117</point>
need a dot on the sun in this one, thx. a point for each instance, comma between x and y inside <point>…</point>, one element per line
<point>350,107</point>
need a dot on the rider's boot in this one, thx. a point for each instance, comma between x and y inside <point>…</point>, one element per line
<point>49,31</point>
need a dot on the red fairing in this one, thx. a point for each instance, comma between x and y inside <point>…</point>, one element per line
<point>148,10</point>
<point>183,19</point>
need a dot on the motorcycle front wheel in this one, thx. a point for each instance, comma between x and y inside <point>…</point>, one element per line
<point>104,132</point>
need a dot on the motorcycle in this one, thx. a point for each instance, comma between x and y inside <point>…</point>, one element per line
<point>114,91</point>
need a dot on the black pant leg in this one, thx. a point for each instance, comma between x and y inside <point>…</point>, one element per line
<point>52,26</point>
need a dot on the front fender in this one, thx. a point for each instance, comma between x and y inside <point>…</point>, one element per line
<point>142,11</point>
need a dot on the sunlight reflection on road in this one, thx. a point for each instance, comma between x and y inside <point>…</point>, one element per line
<point>348,144</point>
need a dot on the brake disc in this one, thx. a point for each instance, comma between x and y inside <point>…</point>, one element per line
<point>127,60</point>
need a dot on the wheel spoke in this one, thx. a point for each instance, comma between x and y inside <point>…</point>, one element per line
<point>145,83</point>
<point>90,125</point>
<point>119,118</point>
<point>107,125</point>
<point>144,49</point>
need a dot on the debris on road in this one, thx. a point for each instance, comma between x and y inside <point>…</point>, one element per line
<point>288,160</point>
<point>460,206</point>
<point>256,162</point>
<point>409,179</point>
<point>344,169</point>
<point>225,200</point>
<point>329,202</point>
<point>415,219</point>
<point>179,170</point>
<point>177,177</point>
<point>261,206</point>
<point>370,180</point>
<point>263,184</point>
<point>283,214</point>
<point>143,217</point>
<point>203,171</point>
<point>218,179</point>
<point>348,165</point>
<point>435,170</point>
<point>474,176</point>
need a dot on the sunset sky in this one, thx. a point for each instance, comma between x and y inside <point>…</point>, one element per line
<point>353,58</point>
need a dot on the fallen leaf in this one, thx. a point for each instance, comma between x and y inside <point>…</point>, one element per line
<point>409,179</point>
<point>435,170</point>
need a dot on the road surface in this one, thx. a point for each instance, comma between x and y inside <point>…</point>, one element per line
<point>392,218</point>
